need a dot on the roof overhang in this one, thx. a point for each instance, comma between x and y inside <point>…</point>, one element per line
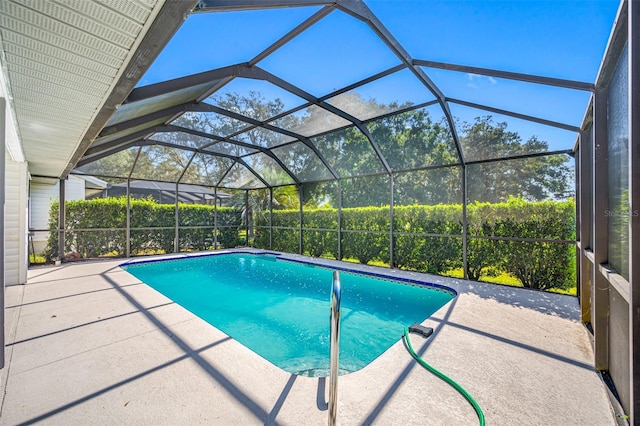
<point>68,69</point>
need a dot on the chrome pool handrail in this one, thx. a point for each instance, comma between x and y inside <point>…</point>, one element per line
<point>336,294</point>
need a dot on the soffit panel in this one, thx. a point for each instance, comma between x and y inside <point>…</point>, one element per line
<point>20,45</point>
<point>38,79</point>
<point>62,69</point>
<point>61,118</point>
<point>69,75</point>
<point>63,26</point>
<point>15,31</point>
<point>22,90</point>
<point>118,32</point>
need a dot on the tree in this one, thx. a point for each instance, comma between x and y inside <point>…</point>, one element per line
<point>115,165</point>
<point>534,178</point>
<point>407,141</point>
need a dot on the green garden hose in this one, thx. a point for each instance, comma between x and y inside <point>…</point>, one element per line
<point>441,375</point>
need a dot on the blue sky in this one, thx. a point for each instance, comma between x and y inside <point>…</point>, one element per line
<point>563,38</point>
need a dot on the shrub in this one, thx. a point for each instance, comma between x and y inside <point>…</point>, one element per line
<point>152,227</point>
<point>366,246</point>
<point>420,234</point>
<point>421,244</point>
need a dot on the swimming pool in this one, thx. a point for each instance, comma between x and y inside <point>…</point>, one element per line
<point>279,308</point>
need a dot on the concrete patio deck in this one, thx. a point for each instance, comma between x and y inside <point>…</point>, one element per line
<point>87,343</point>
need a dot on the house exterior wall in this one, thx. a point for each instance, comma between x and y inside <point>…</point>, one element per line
<point>15,220</point>
<point>15,179</point>
<point>42,194</point>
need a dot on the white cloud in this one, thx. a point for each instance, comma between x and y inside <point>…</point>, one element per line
<point>479,78</point>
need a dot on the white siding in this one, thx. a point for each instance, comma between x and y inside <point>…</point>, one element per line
<point>42,194</point>
<point>15,222</point>
<point>74,188</point>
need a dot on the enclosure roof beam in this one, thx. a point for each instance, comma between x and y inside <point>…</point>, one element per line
<point>360,11</point>
<point>364,81</point>
<point>239,70</point>
<point>181,83</point>
<point>215,139</point>
<point>151,142</point>
<point>262,124</point>
<point>245,71</point>
<point>100,155</point>
<point>517,115</point>
<point>528,78</point>
<point>239,5</point>
<point>523,156</point>
<point>324,105</point>
<point>402,110</point>
<point>138,121</point>
<point>257,124</point>
<point>260,178</point>
<point>266,151</point>
<point>133,166</point>
<point>167,129</point>
<point>140,134</point>
<point>292,34</point>
<point>191,149</point>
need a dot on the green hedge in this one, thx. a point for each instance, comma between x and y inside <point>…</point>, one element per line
<point>365,236</point>
<point>111,213</point>
<point>540,265</point>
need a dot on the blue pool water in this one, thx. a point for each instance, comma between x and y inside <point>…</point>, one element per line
<point>280,309</point>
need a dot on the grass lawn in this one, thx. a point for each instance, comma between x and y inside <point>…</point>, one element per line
<point>505,279</point>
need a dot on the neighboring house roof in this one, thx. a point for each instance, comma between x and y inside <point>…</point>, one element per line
<point>187,192</point>
<point>92,182</point>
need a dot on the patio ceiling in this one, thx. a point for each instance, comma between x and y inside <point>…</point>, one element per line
<point>69,64</point>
